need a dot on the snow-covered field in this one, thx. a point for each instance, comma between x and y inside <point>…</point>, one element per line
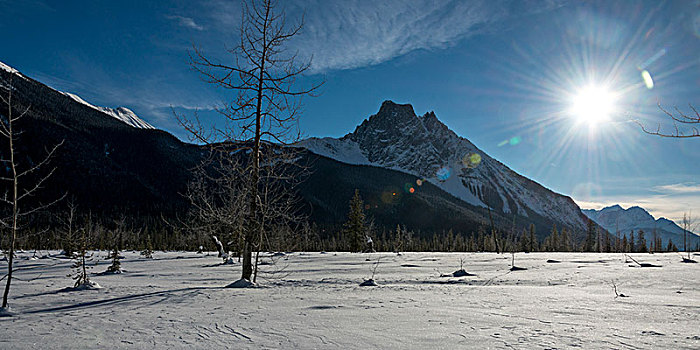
<point>177,300</point>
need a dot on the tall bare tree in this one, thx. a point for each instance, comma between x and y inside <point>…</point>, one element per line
<point>684,125</point>
<point>17,190</point>
<point>268,98</point>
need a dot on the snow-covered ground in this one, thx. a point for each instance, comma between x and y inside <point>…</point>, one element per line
<point>177,300</point>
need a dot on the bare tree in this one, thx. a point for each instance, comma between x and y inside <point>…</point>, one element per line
<point>688,226</point>
<point>684,125</point>
<point>18,191</point>
<point>218,196</point>
<point>267,102</point>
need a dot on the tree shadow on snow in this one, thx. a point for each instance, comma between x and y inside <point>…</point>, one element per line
<point>113,301</point>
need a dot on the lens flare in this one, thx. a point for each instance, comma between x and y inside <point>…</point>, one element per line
<point>419,182</point>
<point>471,160</point>
<point>647,79</point>
<point>443,173</point>
<point>412,190</point>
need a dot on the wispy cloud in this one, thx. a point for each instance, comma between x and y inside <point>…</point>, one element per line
<point>186,22</point>
<point>350,34</point>
<point>356,33</point>
<point>679,188</point>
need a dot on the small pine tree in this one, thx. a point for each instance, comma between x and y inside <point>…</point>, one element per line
<point>524,242</point>
<point>147,252</point>
<point>641,242</point>
<point>554,239</point>
<point>398,240</point>
<point>564,245</point>
<point>116,266</point>
<point>632,243</point>
<point>355,229</point>
<point>80,268</point>
<point>533,239</point>
<point>589,244</point>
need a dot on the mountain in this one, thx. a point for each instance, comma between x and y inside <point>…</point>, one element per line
<point>430,180</point>
<point>121,113</point>
<point>396,138</point>
<point>109,160</point>
<point>616,219</point>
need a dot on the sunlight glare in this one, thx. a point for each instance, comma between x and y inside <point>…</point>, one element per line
<point>593,104</point>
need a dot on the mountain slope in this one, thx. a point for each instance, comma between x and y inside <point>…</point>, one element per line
<point>395,138</point>
<point>112,168</point>
<point>103,162</point>
<point>616,219</point>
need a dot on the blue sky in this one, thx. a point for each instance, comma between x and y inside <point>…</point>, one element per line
<point>493,71</point>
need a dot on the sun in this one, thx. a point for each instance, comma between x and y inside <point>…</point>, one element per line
<point>593,104</point>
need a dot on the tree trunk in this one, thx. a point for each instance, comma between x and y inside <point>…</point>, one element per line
<point>10,259</point>
<point>247,270</point>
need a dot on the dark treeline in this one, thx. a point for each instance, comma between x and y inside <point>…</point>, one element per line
<point>59,230</point>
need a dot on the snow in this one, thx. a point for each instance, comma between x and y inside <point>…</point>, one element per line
<point>122,113</point>
<point>7,68</point>
<point>342,150</point>
<point>177,300</point>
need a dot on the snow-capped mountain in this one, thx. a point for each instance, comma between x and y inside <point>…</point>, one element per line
<point>398,139</point>
<point>121,113</point>
<point>616,219</point>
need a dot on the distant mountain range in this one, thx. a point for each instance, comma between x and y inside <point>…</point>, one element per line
<point>616,219</point>
<point>410,170</point>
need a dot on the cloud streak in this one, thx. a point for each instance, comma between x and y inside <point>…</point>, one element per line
<point>679,188</point>
<point>357,33</point>
<point>186,22</point>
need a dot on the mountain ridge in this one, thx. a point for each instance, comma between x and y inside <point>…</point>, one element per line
<point>616,219</point>
<point>396,138</point>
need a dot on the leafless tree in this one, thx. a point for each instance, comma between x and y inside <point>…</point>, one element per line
<point>22,179</point>
<point>688,225</point>
<point>218,196</point>
<point>684,125</point>
<point>267,101</point>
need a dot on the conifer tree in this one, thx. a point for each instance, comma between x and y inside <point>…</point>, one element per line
<point>632,243</point>
<point>116,266</point>
<point>355,229</point>
<point>589,244</point>
<point>533,239</point>
<point>554,239</point>
<point>606,243</point>
<point>524,242</point>
<point>147,252</point>
<point>564,240</point>
<point>80,268</point>
<point>642,242</point>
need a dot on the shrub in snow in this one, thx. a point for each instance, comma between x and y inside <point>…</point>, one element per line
<point>461,272</point>
<point>89,285</point>
<point>369,283</point>
<point>6,312</point>
<point>242,283</point>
